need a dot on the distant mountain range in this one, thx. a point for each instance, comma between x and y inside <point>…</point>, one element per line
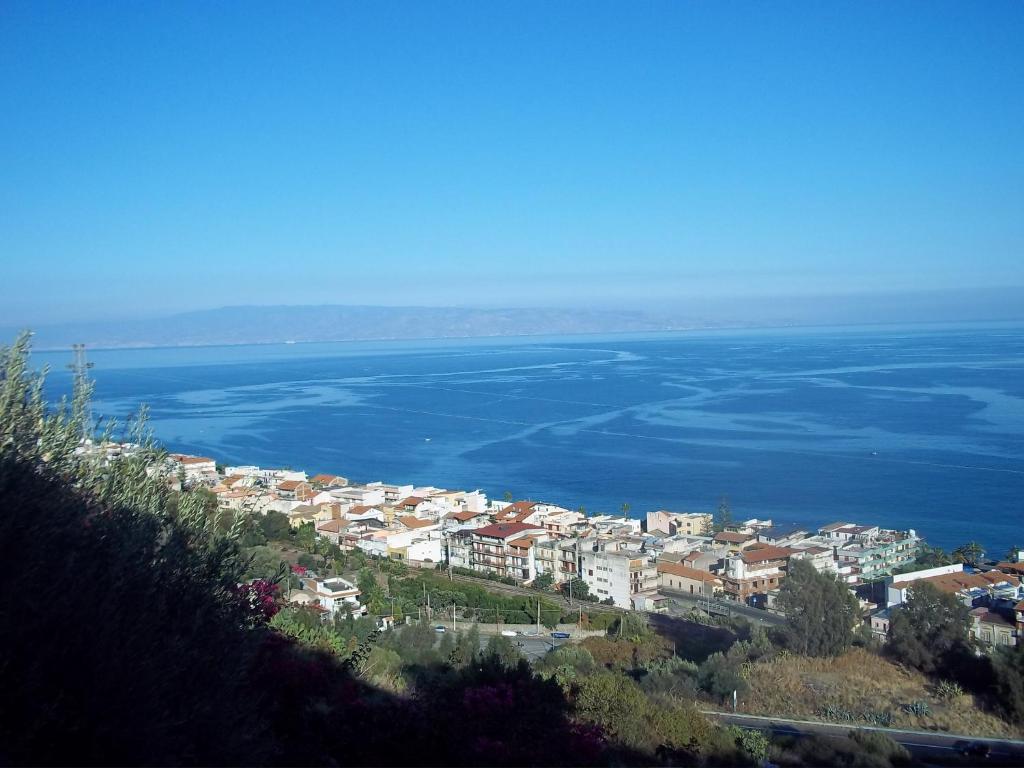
<point>280,324</point>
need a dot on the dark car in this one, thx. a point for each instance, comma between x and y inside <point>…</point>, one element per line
<point>973,748</point>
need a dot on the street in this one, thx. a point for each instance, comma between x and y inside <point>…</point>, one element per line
<point>920,743</point>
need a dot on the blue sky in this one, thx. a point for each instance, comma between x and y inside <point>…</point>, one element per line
<point>159,157</point>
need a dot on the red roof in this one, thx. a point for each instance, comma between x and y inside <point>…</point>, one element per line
<point>503,530</point>
<point>333,526</point>
<point>464,516</point>
<point>290,485</point>
<point>732,538</point>
<point>763,554</point>
<point>411,501</point>
<point>676,569</point>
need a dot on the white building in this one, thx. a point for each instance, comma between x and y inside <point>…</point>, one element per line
<point>616,574</point>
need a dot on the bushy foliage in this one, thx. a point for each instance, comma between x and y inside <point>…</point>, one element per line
<point>719,677</point>
<point>820,611</point>
<point>930,630</point>
<point>1008,666</point>
<point>617,704</point>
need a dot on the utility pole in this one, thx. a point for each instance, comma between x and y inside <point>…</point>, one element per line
<point>538,617</point>
<point>80,367</point>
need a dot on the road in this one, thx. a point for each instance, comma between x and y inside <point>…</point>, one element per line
<point>756,615</point>
<point>920,743</point>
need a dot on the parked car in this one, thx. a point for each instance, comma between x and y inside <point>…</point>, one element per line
<point>508,633</point>
<point>440,628</point>
<point>560,635</point>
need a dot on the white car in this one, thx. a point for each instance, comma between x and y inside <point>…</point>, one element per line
<point>508,633</point>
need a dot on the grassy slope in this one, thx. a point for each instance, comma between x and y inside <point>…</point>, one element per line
<point>860,681</point>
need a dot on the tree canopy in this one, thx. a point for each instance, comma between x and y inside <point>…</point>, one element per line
<point>820,611</point>
<point>929,629</point>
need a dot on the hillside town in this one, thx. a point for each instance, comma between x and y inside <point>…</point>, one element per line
<point>627,562</point>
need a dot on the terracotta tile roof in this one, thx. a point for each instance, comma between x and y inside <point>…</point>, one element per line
<point>325,479</point>
<point>414,522</point>
<point>765,553</point>
<point>728,537</point>
<point>990,617</point>
<point>464,516</point>
<point>678,569</point>
<point>524,543</point>
<point>955,582</point>
<point>360,509</point>
<point>333,526</point>
<point>411,501</point>
<point>291,485</point>
<point>193,459</point>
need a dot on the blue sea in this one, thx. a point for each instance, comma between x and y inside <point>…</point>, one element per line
<point>914,427</point>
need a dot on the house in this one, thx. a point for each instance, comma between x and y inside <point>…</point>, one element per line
<point>972,588</point>
<point>880,624</point>
<point>332,530</point>
<point>822,558</point>
<point>780,536</point>
<point>651,602</point>
<point>681,578</point>
<point>467,519</point>
<point>392,493</point>
<point>734,541</point>
<point>993,628</point>
<point>685,523</point>
<point>358,496</point>
<point>460,547</point>
<point>301,514</point>
<point>492,549</point>
<point>335,595</point>
<point>197,469</point>
<point>415,523</point>
<point>322,481</point>
<point>615,573</point>
<point>754,571</point>
<point>295,490</point>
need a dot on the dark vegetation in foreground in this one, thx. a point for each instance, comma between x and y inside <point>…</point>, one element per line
<point>129,635</point>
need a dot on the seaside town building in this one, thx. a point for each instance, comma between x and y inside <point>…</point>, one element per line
<point>623,560</point>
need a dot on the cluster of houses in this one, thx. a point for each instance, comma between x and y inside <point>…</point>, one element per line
<point>624,561</point>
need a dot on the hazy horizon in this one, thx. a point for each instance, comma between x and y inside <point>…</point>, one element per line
<point>587,155</point>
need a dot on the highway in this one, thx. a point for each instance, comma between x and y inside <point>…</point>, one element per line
<point>920,743</point>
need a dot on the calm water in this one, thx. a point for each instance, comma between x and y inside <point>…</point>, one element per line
<point>920,427</point>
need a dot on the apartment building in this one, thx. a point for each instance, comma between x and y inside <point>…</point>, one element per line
<point>755,571</point>
<point>506,549</point>
<point>617,574</point>
<point>685,523</point>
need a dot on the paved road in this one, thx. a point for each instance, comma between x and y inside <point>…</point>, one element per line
<point>921,743</point>
<point>756,615</point>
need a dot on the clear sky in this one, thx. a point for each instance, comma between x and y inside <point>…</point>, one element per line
<point>183,155</point>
